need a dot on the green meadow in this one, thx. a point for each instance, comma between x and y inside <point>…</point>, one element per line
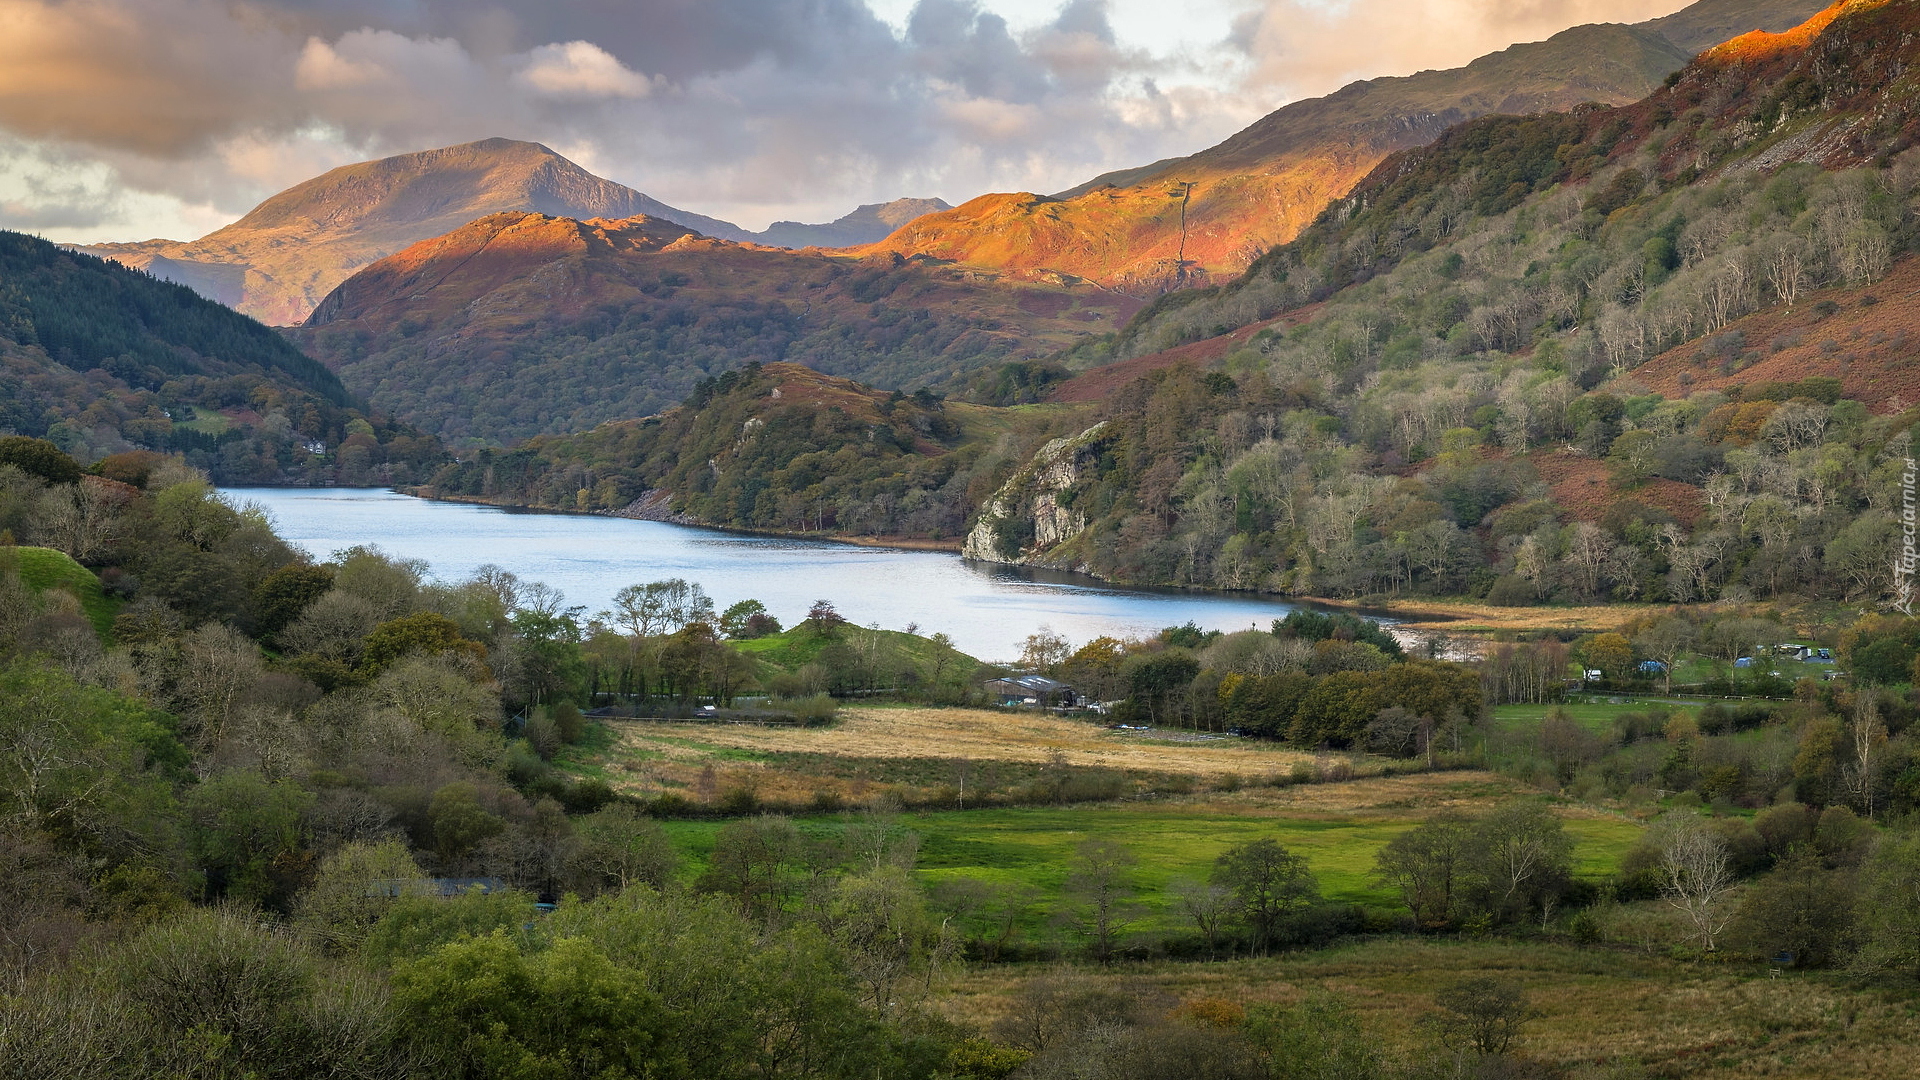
<point>1034,846</point>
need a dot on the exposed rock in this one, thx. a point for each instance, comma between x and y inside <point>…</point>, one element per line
<point>1034,496</point>
<point>654,504</point>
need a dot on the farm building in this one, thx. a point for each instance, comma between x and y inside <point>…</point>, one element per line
<point>1035,690</point>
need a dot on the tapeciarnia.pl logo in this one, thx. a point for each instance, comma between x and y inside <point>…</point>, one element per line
<point>1904,566</point>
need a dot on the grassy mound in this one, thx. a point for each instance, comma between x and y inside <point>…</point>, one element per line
<point>44,568</point>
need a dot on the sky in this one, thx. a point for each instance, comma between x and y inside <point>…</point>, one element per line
<point>135,119</point>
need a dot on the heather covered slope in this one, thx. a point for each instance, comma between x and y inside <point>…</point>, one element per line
<point>518,324</point>
<point>1265,184</point>
<point>279,260</point>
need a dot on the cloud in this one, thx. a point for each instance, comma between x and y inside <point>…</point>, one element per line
<point>745,109</point>
<point>581,69</point>
<point>1303,48</point>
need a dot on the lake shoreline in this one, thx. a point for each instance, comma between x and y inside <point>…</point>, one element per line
<point>1457,616</point>
<point>988,609</point>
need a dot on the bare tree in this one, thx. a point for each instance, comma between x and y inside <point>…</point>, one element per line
<point>1869,736</point>
<point>1785,264</point>
<point>1102,882</point>
<point>1207,903</point>
<point>1695,876</point>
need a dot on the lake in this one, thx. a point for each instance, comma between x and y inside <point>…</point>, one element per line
<point>987,609</point>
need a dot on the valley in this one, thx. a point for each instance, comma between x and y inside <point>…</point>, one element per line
<point>1418,590</point>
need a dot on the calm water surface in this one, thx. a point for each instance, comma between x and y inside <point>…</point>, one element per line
<point>988,610</point>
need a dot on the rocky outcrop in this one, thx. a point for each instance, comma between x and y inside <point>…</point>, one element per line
<point>654,504</point>
<point>1032,513</point>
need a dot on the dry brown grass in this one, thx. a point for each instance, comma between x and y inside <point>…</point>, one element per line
<point>1457,618</point>
<point>977,735</point>
<point>1599,1006</point>
<point>912,752</point>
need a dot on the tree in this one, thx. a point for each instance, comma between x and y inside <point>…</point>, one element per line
<point>1318,1039</point>
<point>1869,738</point>
<point>879,920</point>
<point>1694,871</point>
<point>353,888</point>
<point>1801,909</point>
<point>1101,881</point>
<point>662,607</point>
<point>1524,855</point>
<point>424,634</point>
<point>1482,1015</point>
<point>1270,887</point>
<point>825,620</point>
<point>220,995</point>
<point>1208,904</point>
<point>621,848</point>
<point>1666,641</point>
<point>748,619</point>
<point>38,457</point>
<point>757,862</point>
<point>1889,906</point>
<point>1044,651</point>
<point>1610,654</point>
<point>568,1011</point>
<point>250,835</point>
<point>1429,865</point>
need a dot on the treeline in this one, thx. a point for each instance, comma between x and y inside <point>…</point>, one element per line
<point>102,360</point>
<point>1316,681</point>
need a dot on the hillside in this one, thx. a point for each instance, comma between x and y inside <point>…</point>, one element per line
<point>519,324</point>
<point>776,447</point>
<point>1268,182</point>
<point>1646,353</point>
<point>278,261</point>
<point>100,360</point>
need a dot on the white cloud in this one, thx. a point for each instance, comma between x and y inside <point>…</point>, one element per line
<point>581,69</point>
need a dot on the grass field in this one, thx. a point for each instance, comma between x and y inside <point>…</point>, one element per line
<point>1600,1007</point>
<point>1337,827</point>
<point>919,748</point>
<point>44,568</point>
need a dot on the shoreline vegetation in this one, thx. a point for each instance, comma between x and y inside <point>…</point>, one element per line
<point>1449,616</point>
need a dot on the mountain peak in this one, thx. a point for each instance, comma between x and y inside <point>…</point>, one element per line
<point>279,260</point>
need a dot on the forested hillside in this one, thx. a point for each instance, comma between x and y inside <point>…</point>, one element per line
<point>104,360</point>
<point>1468,412</point>
<point>775,446</point>
<point>520,324</point>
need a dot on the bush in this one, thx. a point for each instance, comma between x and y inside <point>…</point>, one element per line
<point>813,710</point>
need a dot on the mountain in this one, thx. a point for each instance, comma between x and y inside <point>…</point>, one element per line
<point>1131,229</point>
<point>522,323</point>
<point>279,260</point>
<point>871,222</point>
<point>1658,352</point>
<point>103,360</point>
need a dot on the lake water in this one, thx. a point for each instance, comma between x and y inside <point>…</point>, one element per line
<point>988,610</point>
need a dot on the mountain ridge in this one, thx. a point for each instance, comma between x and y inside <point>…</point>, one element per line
<point>519,324</point>
<point>1264,184</point>
<point>282,257</point>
